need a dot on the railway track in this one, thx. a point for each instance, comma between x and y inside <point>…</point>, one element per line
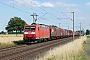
<point>25,52</point>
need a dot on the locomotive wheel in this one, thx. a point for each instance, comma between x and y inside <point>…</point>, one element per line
<point>45,39</point>
<point>39,41</point>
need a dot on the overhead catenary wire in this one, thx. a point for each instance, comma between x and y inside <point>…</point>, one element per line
<point>15,8</point>
<point>49,7</point>
<point>55,17</point>
<point>18,8</point>
<point>42,9</point>
<point>25,6</point>
<point>37,6</point>
<point>60,12</point>
<point>19,3</point>
<point>66,16</point>
<point>29,12</point>
<point>42,16</point>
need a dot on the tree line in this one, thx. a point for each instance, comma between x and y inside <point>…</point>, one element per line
<point>87,32</point>
<point>15,25</point>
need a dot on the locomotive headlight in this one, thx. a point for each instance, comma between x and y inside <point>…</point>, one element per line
<point>25,32</point>
<point>32,32</point>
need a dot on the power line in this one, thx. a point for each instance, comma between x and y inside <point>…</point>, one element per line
<point>35,5</point>
<point>15,8</point>
<point>46,4</point>
<point>20,9</point>
<point>20,4</point>
<point>49,7</point>
<point>25,6</point>
<point>66,16</point>
<point>31,8</point>
<point>42,9</point>
<point>58,11</point>
<point>42,16</point>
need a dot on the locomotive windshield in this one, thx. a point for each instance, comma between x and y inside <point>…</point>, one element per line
<point>30,27</point>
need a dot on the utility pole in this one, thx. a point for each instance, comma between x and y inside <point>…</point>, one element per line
<point>68,30</point>
<point>59,25</point>
<point>83,31</point>
<point>71,20</point>
<point>73,24</point>
<point>36,17</point>
<point>34,14</point>
<point>60,29</point>
<point>68,27</point>
<point>80,29</point>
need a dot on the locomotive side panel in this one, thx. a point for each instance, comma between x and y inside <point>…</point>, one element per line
<point>44,31</point>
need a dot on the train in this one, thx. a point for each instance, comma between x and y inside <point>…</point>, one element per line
<point>41,32</point>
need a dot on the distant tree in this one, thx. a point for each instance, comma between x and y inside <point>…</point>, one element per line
<point>15,24</point>
<point>53,26</point>
<point>2,32</point>
<point>82,32</point>
<point>87,32</point>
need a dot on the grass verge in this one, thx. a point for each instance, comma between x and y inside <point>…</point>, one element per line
<point>4,45</point>
<point>71,51</point>
<point>9,44</point>
<point>88,36</point>
<point>72,55</point>
<point>11,35</point>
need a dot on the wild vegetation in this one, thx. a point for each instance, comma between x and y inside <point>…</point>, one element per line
<point>74,50</point>
<point>71,51</point>
<point>88,36</point>
<point>4,45</point>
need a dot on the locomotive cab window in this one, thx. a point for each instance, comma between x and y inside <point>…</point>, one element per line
<point>30,27</point>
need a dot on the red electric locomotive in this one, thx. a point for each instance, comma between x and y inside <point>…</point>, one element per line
<point>36,33</point>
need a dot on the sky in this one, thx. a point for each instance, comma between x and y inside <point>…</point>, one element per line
<point>50,12</point>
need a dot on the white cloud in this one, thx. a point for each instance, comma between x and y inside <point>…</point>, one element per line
<point>25,2</point>
<point>88,3</point>
<point>31,3</point>
<point>65,5</point>
<point>47,4</point>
